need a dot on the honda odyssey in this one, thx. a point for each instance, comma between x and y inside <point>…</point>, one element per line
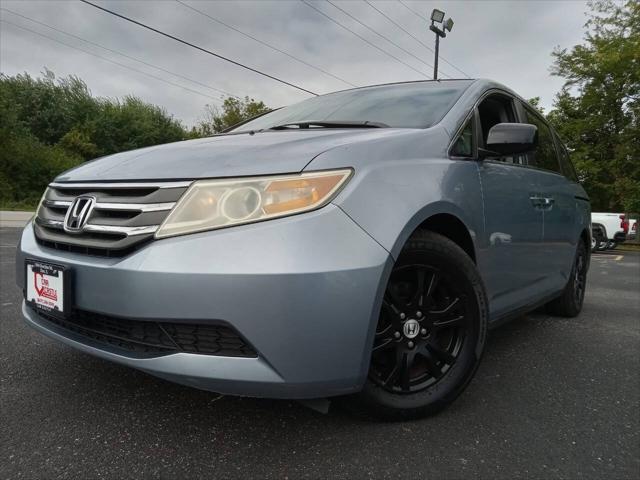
<point>357,244</point>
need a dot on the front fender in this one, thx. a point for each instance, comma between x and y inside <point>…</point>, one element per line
<point>436,208</point>
<point>390,200</point>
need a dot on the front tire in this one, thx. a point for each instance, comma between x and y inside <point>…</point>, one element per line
<point>431,331</point>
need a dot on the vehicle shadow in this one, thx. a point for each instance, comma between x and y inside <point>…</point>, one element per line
<point>99,413</point>
<point>116,390</point>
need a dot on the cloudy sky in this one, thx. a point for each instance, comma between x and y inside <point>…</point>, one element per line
<point>509,41</point>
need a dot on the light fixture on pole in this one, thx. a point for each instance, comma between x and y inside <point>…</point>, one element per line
<point>437,16</point>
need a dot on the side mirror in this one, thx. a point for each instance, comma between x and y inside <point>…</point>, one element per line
<point>506,139</point>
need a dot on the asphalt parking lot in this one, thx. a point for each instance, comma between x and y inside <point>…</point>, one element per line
<point>554,398</point>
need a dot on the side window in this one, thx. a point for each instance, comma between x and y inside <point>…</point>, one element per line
<point>464,144</point>
<point>496,109</point>
<point>545,155</point>
<point>565,162</point>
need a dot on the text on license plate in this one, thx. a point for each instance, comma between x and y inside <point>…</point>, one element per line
<point>45,286</point>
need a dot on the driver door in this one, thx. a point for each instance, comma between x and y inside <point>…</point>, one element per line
<point>513,222</point>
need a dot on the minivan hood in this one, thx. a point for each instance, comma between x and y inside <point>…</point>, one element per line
<point>222,156</point>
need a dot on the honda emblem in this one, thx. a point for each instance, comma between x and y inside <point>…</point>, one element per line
<point>78,214</point>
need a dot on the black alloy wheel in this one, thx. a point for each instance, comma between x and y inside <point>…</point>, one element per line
<point>430,333</point>
<point>422,327</point>
<point>580,277</point>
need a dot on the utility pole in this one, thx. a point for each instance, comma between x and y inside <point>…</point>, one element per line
<point>437,16</point>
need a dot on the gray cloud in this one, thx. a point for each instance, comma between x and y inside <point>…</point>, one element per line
<point>507,41</point>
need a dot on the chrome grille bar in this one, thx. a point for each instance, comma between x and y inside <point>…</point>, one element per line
<point>117,185</point>
<point>128,231</point>
<point>129,207</point>
<point>57,224</point>
<point>135,207</point>
<point>56,203</point>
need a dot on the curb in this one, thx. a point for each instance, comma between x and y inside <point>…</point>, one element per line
<point>13,219</point>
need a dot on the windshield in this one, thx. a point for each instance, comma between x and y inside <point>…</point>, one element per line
<point>404,105</point>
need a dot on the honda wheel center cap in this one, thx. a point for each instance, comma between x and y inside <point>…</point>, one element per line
<point>411,328</point>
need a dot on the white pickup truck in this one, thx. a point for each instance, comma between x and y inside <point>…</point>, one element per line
<point>608,230</point>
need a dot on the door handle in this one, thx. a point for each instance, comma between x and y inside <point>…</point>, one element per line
<point>542,202</point>
<point>536,200</point>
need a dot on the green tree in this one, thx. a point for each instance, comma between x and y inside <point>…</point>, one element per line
<point>234,110</point>
<point>77,141</point>
<point>26,164</point>
<point>131,123</point>
<point>597,113</point>
<point>47,106</point>
<point>535,103</point>
<point>49,124</point>
<point>62,111</point>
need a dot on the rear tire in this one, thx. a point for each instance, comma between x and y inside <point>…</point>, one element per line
<point>569,304</point>
<point>431,332</point>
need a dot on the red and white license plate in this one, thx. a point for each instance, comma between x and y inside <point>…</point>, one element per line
<point>46,287</point>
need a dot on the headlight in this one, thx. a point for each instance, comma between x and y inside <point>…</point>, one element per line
<point>211,204</point>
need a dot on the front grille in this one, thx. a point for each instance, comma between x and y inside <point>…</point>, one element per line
<point>154,338</point>
<point>125,215</point>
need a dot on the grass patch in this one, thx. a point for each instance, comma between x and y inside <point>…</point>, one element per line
<point>629,247</point>
<point>18,206</point>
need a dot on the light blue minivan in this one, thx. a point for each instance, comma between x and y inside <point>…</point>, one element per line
<point>357,244</point>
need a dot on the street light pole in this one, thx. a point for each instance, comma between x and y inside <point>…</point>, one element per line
<point>438,16</point>
<point>435,62</point>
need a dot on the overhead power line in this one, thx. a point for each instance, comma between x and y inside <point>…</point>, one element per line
<point>412,10</point>
<point>109,60</point>
<point>231,27</point>
<point>120,53</point>
<point>408,33</point>
<point>308,4</point>
<point>209,52</point>
<point>384,37</point>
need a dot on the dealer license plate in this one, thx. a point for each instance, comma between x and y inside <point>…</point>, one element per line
<point>47,287</point>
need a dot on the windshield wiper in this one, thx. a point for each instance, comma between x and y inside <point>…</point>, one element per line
<point>330,124</point>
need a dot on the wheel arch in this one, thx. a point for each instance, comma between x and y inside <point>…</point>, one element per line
<point>601,227</point>
<point>585,236</point>
<point>443,218</point>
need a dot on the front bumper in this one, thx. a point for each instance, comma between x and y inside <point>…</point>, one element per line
<point>305,291</point>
